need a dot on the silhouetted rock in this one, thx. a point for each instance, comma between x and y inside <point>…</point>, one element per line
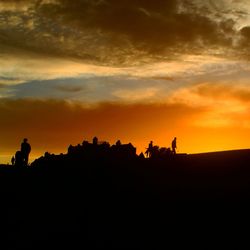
<point>102,149</point>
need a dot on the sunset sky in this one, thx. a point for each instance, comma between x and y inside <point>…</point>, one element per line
<point>134,70</point>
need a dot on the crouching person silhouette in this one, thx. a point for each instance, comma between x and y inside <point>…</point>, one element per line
<point>25,151</point>
<point>19,159</point>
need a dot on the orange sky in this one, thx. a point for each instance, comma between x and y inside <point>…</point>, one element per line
<point>56,124</point>
<point>136,70</point>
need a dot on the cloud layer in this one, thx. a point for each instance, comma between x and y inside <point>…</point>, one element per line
<point>124,32</point>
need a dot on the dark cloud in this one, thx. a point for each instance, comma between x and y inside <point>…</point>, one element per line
<point>245,31</point>
<point>69,88</point>
<point>114,32</point>
<point>149,25</point>
<point>164,78</point>
<point>245,40</point>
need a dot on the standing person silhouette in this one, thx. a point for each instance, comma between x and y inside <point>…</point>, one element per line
<point>95,141</point>
<point>13,160</point>
<point>174,145</point>
<point>149,149</point>
<point>25,150</point>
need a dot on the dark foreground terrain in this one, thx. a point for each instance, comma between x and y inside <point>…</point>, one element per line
<point>97,202</point>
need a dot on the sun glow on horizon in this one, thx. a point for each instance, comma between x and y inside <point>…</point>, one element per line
<point>64,78</point>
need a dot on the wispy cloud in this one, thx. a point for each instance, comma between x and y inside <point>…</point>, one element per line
<point>224,104</point>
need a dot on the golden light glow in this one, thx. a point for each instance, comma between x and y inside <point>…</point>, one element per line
<point>59,124</point>
<point>170,70</point>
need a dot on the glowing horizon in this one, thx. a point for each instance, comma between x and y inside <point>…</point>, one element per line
<point>129,70</point>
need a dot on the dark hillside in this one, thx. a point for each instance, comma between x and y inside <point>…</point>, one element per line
<point>123,201</point>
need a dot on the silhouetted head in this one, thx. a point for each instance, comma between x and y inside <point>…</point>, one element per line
<point>25,140</point>
<point>118,143</point>
<point>95,140</point>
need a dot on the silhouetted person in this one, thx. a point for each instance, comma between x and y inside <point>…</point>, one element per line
<point>168,152</point>
<point>95,140</point>
<point>19,159</point>
<point>70,149</point>
<point>25,150</point>
<point>118,143</point>
<point>13,160</point>
<point>141,155</point>
<point>149,149</point>
<point>174,146</point>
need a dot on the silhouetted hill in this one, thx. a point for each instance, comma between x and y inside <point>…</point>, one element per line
<point>223,154</point>
<point>120,200</point>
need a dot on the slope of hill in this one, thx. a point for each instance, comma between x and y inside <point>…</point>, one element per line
<point>125,202</point>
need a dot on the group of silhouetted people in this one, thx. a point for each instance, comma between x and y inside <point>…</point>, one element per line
<point>21,157</point>
<point>151,149</point>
